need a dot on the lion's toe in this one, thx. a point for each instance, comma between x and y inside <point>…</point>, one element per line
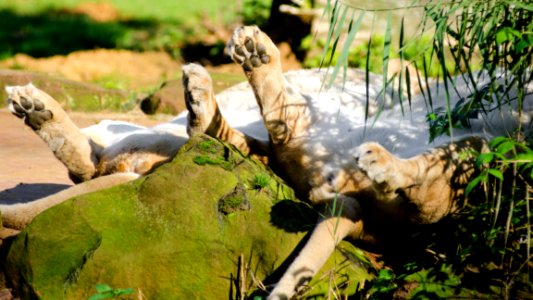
<point>24,103</point>
<point>374,160</point>
<point>251,48</point>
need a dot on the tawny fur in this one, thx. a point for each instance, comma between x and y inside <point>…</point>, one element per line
<point>18,216</point>
<point>63,137</point>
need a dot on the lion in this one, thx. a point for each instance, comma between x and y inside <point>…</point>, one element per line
<point>368,180</point>
<point>114,152</point>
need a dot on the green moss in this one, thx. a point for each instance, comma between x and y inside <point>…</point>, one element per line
<point>209,146</point>
<point>208,160</point>
<point>234,201</point>
<point>260,181</point>
<point>71,95</point>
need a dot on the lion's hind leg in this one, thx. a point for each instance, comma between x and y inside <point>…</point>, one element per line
<point>285,115</point>
<point>46,117</point>
<point>18,216</point>
<point>205,117</point>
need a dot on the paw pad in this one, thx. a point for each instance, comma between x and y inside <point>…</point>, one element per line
<point>247,49</point>
<point>32,110</point>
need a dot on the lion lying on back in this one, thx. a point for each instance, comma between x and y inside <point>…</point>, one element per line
<point>114,152</point>
<point>322,145</point>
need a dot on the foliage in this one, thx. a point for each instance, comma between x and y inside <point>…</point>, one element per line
<point>104,291</point>
<point>485,250</point>
<point>255,12</point>
<point>33,28</point>
<point>363,55</point>
<point>500,33</point>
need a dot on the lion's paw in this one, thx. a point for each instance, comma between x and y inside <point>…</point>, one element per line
<point>375,161</point>
<point>24,103</point>
<point>251,48</point>
<point>198,89</point>
<point>199,98</point>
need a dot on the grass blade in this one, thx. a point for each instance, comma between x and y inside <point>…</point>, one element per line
<point>346,47</point>
<point>386,55</point>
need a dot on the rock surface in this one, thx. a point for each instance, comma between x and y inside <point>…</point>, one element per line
<point>175,234</point>
<point>72,95</point>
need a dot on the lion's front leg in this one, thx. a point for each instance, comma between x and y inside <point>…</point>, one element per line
<point>433,180</point>
<point>284,115</point>
<point>320,246</point>
<point>382,167</point>
<point>343,222</point>
<point>442,162</point>
<point>46,117</point>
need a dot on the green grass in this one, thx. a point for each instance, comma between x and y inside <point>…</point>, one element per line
<point>49,27</point>
<point>163,10</point>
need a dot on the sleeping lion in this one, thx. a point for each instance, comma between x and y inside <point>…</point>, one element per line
<point>369,177</point>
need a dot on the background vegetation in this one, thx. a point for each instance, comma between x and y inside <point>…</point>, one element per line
<point>49,27</point>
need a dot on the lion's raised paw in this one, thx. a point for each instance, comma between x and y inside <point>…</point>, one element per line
<point>199,99</point>
<point>375,161</point>
<point>251,48</point>
<point>23,104</point>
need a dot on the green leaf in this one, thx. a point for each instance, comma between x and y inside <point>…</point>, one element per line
<point>101,296</point>
<point>346,48</point>
<point>103,288</point>
<point>505,147</point>
<point>524,43</point>
<point>506,34</point>
<point>495,173</point>
<point>120,292</point>
<point>475,182</point>
<point>497,140</point>
<point>523,5</point>
<point>333,25</point>
<point>385,274</point>
<point>386,54</point>
<point>484,158</point>
<point>525,157</point>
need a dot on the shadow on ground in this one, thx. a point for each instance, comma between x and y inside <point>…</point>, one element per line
<point>23,193</point>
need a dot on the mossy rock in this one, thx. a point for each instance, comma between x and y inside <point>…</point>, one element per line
<point>167,235</point>
<point>72,95</point>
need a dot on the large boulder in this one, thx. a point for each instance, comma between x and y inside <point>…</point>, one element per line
<point>177,233</point>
